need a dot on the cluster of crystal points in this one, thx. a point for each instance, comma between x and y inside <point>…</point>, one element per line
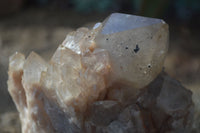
<point>105,80</point>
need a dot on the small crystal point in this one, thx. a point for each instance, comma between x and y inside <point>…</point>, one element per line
<point>33,67</point>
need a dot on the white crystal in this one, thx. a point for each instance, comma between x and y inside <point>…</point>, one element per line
<point>137,47</point>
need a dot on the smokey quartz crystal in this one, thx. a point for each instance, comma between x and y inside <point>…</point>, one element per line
<point>107,79</point>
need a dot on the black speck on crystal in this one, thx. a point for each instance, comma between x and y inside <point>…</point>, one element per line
<point>126,47</point>
<point>136,49</point>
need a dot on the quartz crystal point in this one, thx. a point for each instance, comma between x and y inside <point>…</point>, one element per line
<point>137,47</point>
<point>102,80</point>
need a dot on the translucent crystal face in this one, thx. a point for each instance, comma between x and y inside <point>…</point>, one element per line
<point>118,22</point>
<point>78,69</point>
<point>33,67</point>
<point>137,47</point>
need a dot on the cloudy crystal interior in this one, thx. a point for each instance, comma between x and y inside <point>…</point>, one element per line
<point>137,47</point>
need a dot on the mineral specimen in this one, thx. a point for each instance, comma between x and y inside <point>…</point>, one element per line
<point>107,79</point>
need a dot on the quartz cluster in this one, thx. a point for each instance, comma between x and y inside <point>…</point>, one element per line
<point>107,79</point>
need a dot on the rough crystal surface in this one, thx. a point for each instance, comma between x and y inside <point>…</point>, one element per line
<point>106,79</point>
